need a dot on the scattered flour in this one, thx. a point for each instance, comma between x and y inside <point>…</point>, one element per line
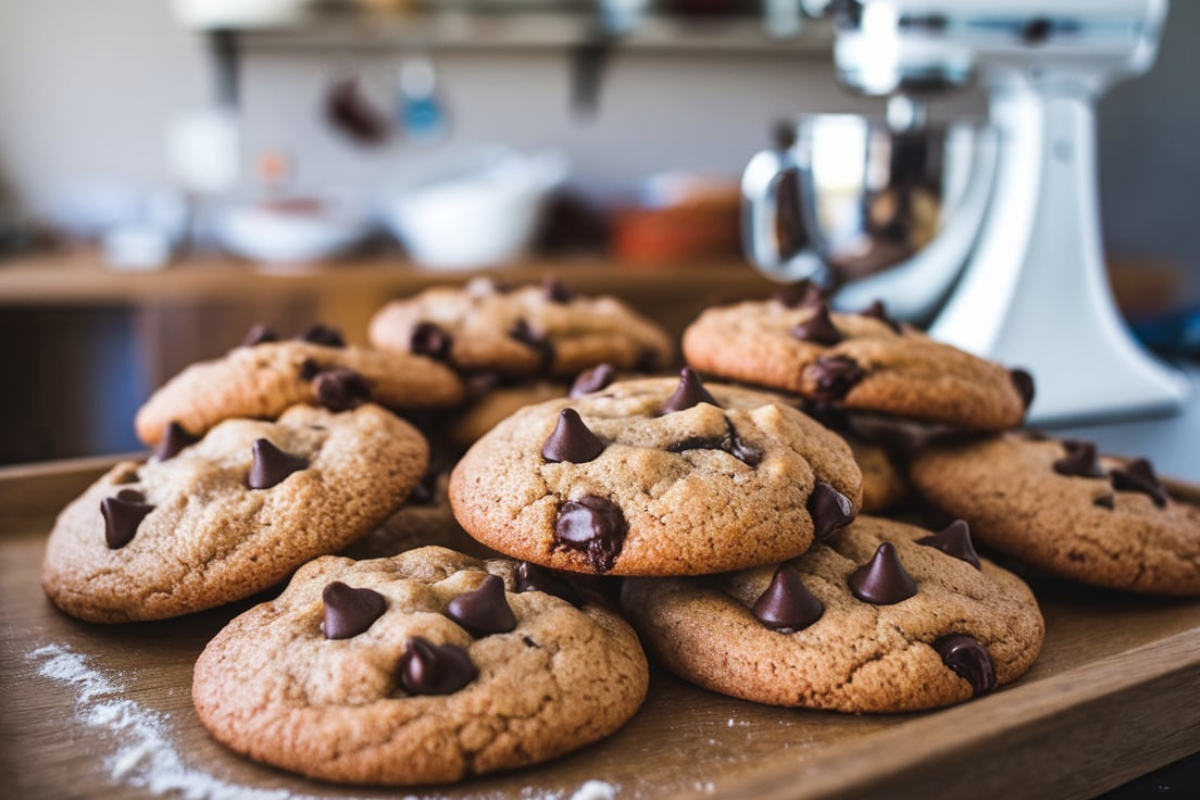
<point>595,790</point>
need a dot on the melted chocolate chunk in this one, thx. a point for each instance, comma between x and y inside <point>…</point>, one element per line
<point>830,511</point>
<point>122,515</point>
<point>309,369</point>
<point>593,525</point>
<point>882,580</point>
<point>324,335</point>
<point>571,440</point>
<point>955,541</point>
<point>819,328</point>
<point>969,660</point>
<point>833,377</point>
<point>593,380</point>
<point>1024,383</point>
<point>787,605</point>
<point>430,340</point>
<point>1138,476</point>
<point>878,310</point>
<point>175,439</point>
<point>341,389</point>
<point>690,392</point>
<point>804,294</point>
<point>535,341</point>
<point>556,291</point>
<point>484,610</point>
<point>1080,461</point>
<point>349,611</point>
<point>1106,501</point>
<point>259,334</point>
<point>271,465</point>
<point>534,578</point>
<point>427,668</point>
<point>730,443</point>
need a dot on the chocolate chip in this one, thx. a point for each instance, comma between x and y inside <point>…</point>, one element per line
<point>819,328</point>
<point>955,541</point>
<point>483,610</point>
<point>594,526</point>
<point>1138,476</point>
<point>787,605</point>
<point>882,580</point>
<point>690,392</point>
<point>556,291</point>
<point>730,443</point>
<point>969,660</point>
<point>324,335</point>
<point>271,465</point>
<point>878,310</point>
<point>175,439</point>
<point>122,515</point>
<point>427,668</point>
<point>430,340</point>
<point>259,334</point>
<point>830,510</point>
<point>526,335</point>
<point>533,578</point>
<point>593,380</point>
<point>309,369</point>
<point>1024,383</point>
<point>349,611</point>
<point>341,389</point>
<point>1105,501</point>
<point>571,440</point>
<point>804,294</point>
<point>833,377</point>
<point>1080,461</point>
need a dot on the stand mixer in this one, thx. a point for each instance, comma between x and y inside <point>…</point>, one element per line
<point>1024,236</point>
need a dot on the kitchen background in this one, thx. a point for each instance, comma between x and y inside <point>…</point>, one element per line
<point>91,92</point>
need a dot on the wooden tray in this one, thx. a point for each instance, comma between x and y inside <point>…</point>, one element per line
<point>1113,695</point>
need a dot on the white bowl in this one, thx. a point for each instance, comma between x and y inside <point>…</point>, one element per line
<point>289,233</point>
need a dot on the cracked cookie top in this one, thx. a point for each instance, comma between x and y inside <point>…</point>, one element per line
<point>230,515</point>
<point>857,361</point>
<point>421,668</point>
<point>532,330</point>
<point>882,616</point>
<point>1059,506</point>
<point>659,476</point>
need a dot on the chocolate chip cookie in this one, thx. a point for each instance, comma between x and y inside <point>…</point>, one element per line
<point>856,361</point>
<point>423,668</point>
<point>263,377</point>
<point>230,515</point>
<point>1059,506</point>
<point>658,476</point>
<point>547,330</point>
<point>882,616</point>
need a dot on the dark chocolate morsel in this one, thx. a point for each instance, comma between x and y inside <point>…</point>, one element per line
<point>571,440</point>
<point>271,465</point>
<point>969,660</point>
<point>1105,501</point>
<point>1080,461</point>
<point>323,335</point>
<point>175,439</point>
<point>787,605</point>
<point>833,377</point>
<point>427,668</point>
<point>878,310</point>
<point>1138,476</point>
<point>593,525</point>
<point>556,291</point>
<point>690,392</point>
<point>523,333</point>
<point>830,510</point>
<point>593,380</point>
<point>259,334</point>
<point>730,443</point>
<point>882,580</point>
<point>483,610</point>
<point>819,328</point>
<point>430,340</point>
<point>534,578</point>
<point>1024,383</point>
<point>955,541</point>
<point>122,515</point>
<point>349,611</point>
<point>309,369</point>
<point>341,389</point>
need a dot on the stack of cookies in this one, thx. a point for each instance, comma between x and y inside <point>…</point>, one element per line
<point>443,610</point>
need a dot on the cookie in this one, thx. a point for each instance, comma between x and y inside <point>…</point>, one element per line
<point>230,515</point>
<point>423,668</point>
<point>547,330</point>
<point>884,485</point>
<point>882,616</point>
<point>659,476</point>
<point>1056,505</point>
<point>262,378</point>
<point>856,361</point>
<point>491,406</point>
